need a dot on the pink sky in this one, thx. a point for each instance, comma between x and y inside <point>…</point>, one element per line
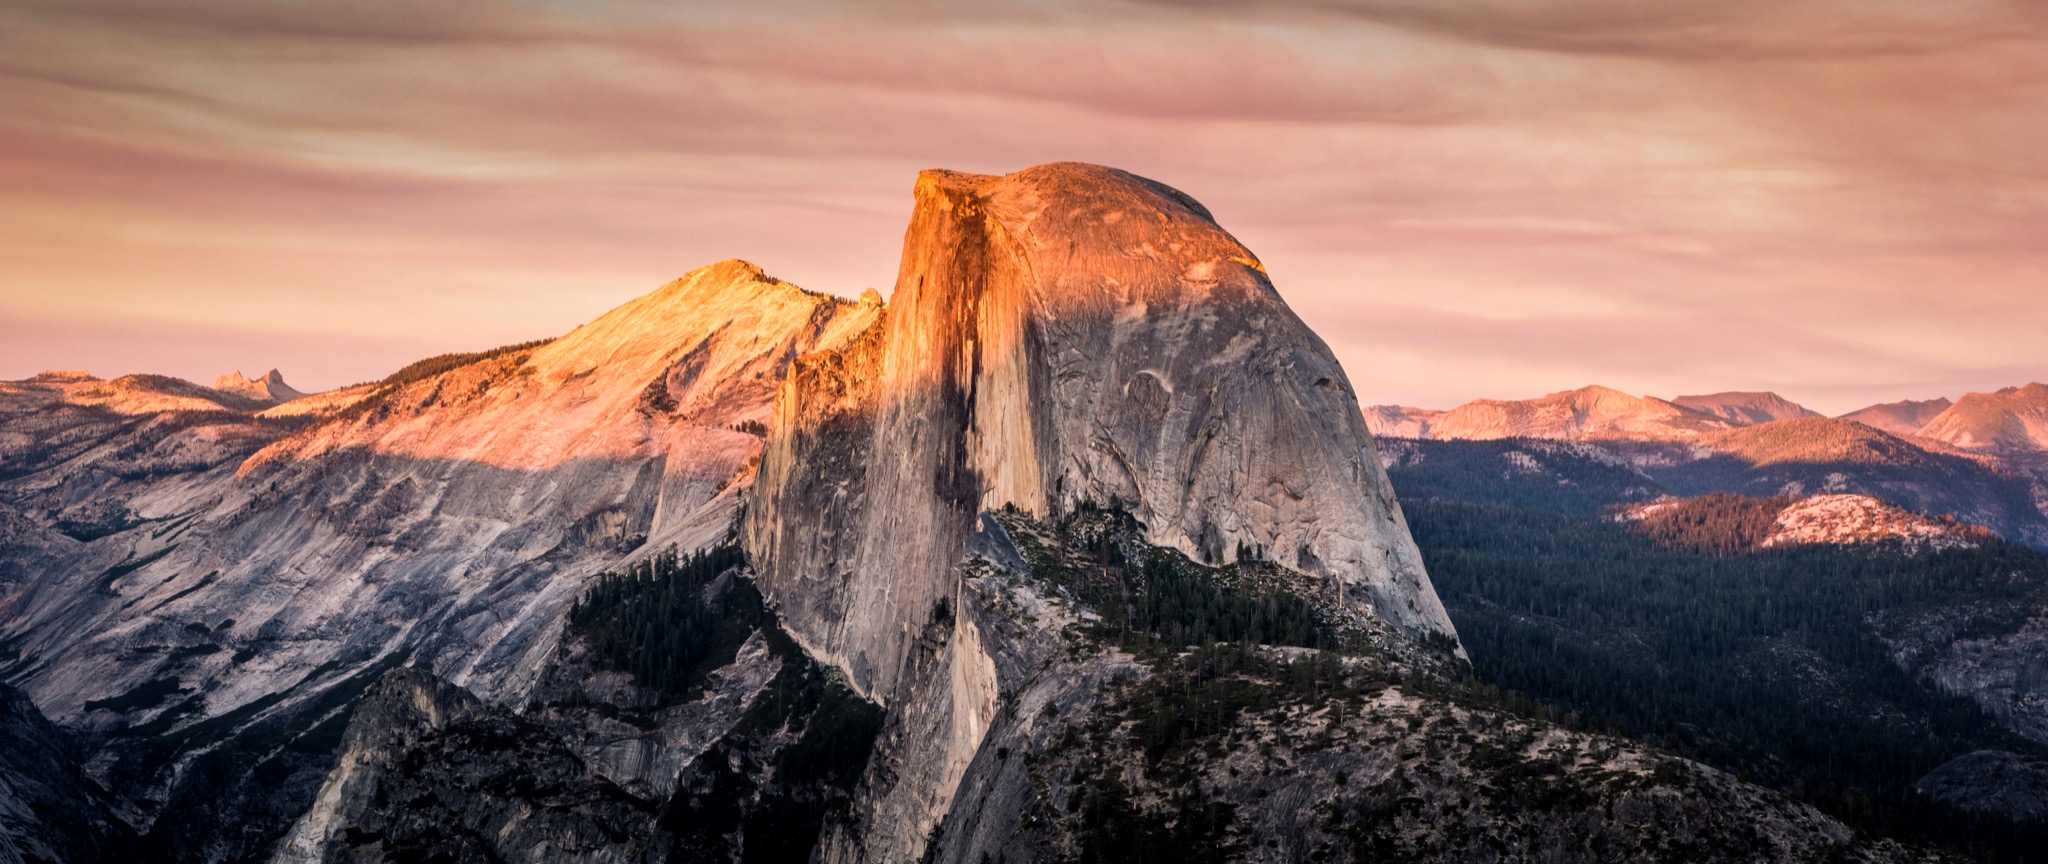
<point>1845,201</point>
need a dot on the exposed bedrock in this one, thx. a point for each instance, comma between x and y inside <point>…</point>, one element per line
<point>1066,333</point>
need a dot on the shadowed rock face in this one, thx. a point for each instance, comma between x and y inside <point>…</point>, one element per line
<point>1064,333</point>
<point>333,631</point>
<point>1991,781</point>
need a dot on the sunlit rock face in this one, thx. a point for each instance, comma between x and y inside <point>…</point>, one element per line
<point>444,520</point>
<point>269,387</point>
<point>1066,333</point>
<point>1588,413</point>
<point>1744,409</point>
<point>1069,332</point>
<point>2012,420</point>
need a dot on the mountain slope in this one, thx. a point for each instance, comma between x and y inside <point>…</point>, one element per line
<point>444,519</point>
<point>269,388</point>
<point>49,809</point>
<point>1900,418</point>
<point>1723,523</point>
<point>1400,421</point>
<point>1588,413</point>
<point>1077,549</point>
<point>1746,409</point>
<point>1806,456</point>
<point>1835,668</point>
<point>1065,334</point>
<point>2013,420</point>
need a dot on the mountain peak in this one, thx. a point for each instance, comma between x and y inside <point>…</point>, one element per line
<point>1066,335</point>
<point>2012,419</point>
<point>1589,412</point>
<point>1745,408</point>
<point>649,378</point>
<point>1132,238</point>
<point>270,387</point>
<point>1905,417</point>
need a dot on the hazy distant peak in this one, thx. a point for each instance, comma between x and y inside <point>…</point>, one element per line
<point>270,387</point>
<point>1815,440</point>
<point>1590,412</point>
<point>1400,421</point>
<point>128,394</point>
<point>1906,417</point>
<point>1746,408</point>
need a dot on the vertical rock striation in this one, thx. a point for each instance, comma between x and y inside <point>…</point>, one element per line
<point>1066,333</point>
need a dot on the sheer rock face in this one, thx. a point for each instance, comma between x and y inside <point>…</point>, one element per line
<point>429,772</point>
<point>49,809</point>
<point>1065,333</point>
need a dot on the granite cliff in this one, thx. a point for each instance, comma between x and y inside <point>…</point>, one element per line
<point>1078,541</point>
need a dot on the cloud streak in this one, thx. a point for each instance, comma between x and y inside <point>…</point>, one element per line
<point>1816,191</point>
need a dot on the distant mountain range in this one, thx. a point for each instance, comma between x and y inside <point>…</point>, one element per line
<point>2010,421</point>
<point>1785,592</point>
<point>1982,458</point>
<point>1015,565</point>
<point>1743,409</point>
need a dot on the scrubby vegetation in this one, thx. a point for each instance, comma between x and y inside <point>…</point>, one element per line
<point>1764,663</point>
<point>1201,693</point>
<point>1804,456</point>
<point>765,791</point>
<point>654,621</point>
<point>1717,524</point>
<point>420,370</point>
<point>1235,753</point>
<point>380,397</point>
<point>1151,598</point>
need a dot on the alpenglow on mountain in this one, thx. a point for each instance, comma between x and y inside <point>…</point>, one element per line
<point>1077,548</point>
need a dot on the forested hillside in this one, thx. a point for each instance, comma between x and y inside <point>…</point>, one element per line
<point>1763,662</point>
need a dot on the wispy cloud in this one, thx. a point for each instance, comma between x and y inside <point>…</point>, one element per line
<point>1813,190</point>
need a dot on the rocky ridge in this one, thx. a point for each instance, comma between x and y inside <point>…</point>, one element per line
<point>268,388</point>
<point>1588,413</point>
<point>2012,420</point>
<point>337,631</point>
<point>1064,334</point>
<point>1902,418</point>
<point>1745,409</point>
<point>239,578</point>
